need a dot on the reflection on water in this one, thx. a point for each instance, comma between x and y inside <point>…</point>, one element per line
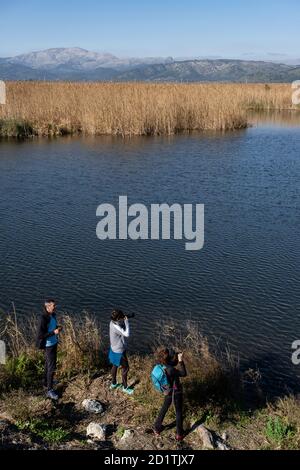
<point>287,118</point>
<point>243,287</point>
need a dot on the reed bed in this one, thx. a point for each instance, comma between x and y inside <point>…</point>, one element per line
<point>128,109</point>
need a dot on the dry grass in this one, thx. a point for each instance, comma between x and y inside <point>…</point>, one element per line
<point>211,381</point>
<point>127,109</point>
<point>79,351</point>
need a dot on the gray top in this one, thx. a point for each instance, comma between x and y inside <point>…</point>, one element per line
<point>118,335</point>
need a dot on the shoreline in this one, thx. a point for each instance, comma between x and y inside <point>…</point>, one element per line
<point>217,396</point>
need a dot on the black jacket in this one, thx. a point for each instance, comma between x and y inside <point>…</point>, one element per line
<point>43,333</point>
<point>174,374</point>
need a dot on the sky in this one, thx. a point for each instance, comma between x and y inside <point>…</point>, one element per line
<point>185,28</point>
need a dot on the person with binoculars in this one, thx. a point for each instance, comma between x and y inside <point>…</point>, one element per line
<point>166,379</point>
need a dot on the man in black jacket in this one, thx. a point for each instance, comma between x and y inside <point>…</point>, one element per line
<point>47,339</point>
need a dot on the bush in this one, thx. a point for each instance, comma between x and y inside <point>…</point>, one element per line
<point>278,429</point>
<point>25,371</point>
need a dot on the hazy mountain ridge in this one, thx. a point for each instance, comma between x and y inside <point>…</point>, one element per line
<point>79,64</point>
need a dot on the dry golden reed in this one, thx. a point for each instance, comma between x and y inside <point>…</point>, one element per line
<point>127,109</point>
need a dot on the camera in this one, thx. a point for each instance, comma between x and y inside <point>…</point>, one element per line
<point>119,315</point>
<point>130,315</point>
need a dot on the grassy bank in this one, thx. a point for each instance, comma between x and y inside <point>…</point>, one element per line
<point>127,109</point>
<point>216,394</point>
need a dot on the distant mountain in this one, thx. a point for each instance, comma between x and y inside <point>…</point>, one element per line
<point>10,71</point>
<point>215,70</point>
<point>76,64</point>
<point>75,58</point>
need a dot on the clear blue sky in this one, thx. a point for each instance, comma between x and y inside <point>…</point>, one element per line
<point>228,28</point>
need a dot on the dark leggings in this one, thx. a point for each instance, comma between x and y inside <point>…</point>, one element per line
<point>50,365</point>
<point>125,368</point>
<point>178,402</point>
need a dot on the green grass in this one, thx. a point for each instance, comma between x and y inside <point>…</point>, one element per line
<point>42,429</point>
<point>278,429</point>
<point>23,371</point>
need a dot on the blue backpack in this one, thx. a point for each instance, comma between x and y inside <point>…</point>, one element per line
<point>160,380</point>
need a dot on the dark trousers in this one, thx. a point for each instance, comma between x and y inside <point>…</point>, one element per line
<point>50,365</point>
<point>125,368</point>
<point>178,402</point>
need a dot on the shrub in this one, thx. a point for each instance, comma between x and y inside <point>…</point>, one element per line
<point>278,429</point>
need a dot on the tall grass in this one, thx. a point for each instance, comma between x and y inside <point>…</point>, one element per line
<point>212,378</point>
<point>79,351</point>
<point>127,109</point>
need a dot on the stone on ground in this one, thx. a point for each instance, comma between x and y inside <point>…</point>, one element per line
<point>93,406</point>
<point>96,431</point>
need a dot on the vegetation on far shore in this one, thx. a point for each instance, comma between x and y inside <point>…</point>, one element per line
<point>128,109</point>
<point>216,393</point>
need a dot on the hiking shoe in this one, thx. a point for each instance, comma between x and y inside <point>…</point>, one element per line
<point>52,394</point>
<point>127,390</point>
<point>158,432</point>
<point>115,386</point>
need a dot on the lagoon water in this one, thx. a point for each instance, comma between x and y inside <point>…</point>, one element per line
<point>242,287</point>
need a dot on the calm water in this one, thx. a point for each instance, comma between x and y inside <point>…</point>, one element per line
<point>243,287</point>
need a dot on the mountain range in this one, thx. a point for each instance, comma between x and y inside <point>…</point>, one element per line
<point>79,64</point>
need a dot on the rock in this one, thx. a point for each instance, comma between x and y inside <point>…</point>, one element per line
<point>93,406</point>
<point>127,434</point>
<point>206,437</point>
<point>96,431</point>
<point>221,445</point>
<point>224,436</point>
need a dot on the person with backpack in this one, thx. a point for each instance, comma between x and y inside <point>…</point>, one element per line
<point>166,379</point>
<point>47,339</point>
<point>119,331</point>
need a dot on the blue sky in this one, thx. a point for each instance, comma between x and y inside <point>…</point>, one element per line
<point>227,28</point>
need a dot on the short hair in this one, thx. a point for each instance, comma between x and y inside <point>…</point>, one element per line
<point>49,301</point>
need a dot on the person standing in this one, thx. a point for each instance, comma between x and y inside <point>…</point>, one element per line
<point>119,331</point>
<point>173,368</point>
<point>47,340</point>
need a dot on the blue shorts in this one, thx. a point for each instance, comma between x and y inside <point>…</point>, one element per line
<point>115,358</point>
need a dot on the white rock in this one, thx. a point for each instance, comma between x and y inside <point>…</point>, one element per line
<point>127,433</point>
<point>96,431</point>
<point>93,406</point>
<point>206,437</point>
